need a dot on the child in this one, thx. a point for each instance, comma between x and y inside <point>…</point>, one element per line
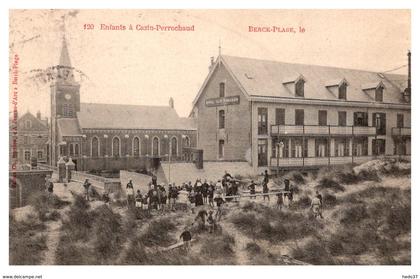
<point>186,238</point>
<point>219,202</point>
<point>279,201</point>
<point>212,222</point>
<point>191,199</point>
<point>139,199</point>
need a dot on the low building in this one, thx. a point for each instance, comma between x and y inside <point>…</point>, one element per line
<point>31,139</point>
<point>110,136</point>
<point>280,115</point>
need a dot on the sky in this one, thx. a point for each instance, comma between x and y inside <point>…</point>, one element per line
<point>149,67</point>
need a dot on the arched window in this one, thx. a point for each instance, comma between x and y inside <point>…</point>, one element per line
<point>187,141</point>
<point>221,119</point>
<point>143,147</point>
<point>342,91</point>
<point>116,146</point>
<point>76,149</point>
<point>94,147</point>
<point>221,89</point>
<point>136,146</point>
<point>174,146</point>
<point>155,146</point>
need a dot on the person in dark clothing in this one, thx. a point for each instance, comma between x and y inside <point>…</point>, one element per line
<point>50,187</point>
<point>105,197</point>
<point>204,191</point>
<point>251,188</point>
<point>138,199</point>
<point>198,198</point>
<point>265,190</point>
<point>201,219</point>
<point>154,180</point>
<point>219,202</point>
<point>265,179</point>
<point>186,238</point>
<point>319,196</point>
<point>210,193</point>
<point>227,176</point>
<point>290,196</point>
<point>279,203</point>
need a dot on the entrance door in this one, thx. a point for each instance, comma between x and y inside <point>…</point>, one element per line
<point>262,152</point>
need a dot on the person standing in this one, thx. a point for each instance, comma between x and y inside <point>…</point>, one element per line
<point>219,203</point>
<point>154,180</point>
<point>198,198</point>
<point>316,207</point>
<point>186,238</point>
<point>210,194</point>
<point>265,191</point>
<point>163,198</point>
<point>251,188</point>
<point>279,203</point>
<point>191,201</point>
<point>138,199</point>
<point>130,193</point>
<point>212,222</point>
<point>87,186</point>
<point>205,188</point>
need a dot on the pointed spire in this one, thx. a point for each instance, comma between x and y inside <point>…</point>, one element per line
<point>220,47</point>
<point>65,72</point>
<point>64,56</point>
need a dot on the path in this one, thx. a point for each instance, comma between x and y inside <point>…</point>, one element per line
<point>240,243</point>
<point>54,227</point>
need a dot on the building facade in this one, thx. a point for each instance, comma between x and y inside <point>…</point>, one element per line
<point>109,136</point>
<point>280,115</point>
<point>31,139</point>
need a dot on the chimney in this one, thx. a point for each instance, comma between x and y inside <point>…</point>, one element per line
<point>407,91</point>
<point>171,102</point>
<point>38,115</point>
<point>211,63</point>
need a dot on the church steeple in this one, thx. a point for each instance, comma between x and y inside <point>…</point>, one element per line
<point>65,70</point>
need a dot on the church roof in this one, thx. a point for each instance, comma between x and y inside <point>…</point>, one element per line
<point>68,127</point>
<point>265,78</point>
<point>114,116</point>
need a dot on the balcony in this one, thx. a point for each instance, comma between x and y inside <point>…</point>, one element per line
<point>401,132</point>
<point>315,130</point>
<point>317,161</point>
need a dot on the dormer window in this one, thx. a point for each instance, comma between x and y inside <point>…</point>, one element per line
<point>375,90</point>
<point>299,85</point>
<point>300,88</point>
<point>338,87</point>
<point>342,91</point>
<point>221,89</point>
<point>28,124</point>
<point>379,94</point>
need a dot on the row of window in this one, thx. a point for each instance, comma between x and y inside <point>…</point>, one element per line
<point>28,154</point>
<point>138,146</point>
<point>300,90</point>
<point>359,119</point>
<point>298,148</point>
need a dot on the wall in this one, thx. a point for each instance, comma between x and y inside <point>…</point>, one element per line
<point>237,120</point>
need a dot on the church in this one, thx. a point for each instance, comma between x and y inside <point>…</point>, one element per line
<point>111,136</point>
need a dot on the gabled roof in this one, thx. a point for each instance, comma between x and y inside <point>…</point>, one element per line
<point>114,116</point>
<point>268,78</point>
<point>42,123</point>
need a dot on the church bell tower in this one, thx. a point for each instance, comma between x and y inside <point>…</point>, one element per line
<point>65,98</point>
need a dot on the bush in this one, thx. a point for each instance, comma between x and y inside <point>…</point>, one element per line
<point>354,214</point>
<point>157,234</point>
<point>314,252</point>
<point>218,247</point>
<point>26,242</point>
<point>44,202</point>
<point>302,203</point>
<point>328,183</point>
<point>107,231</point>
<point>296,177</point>
<point>253,248</point>
<point>330,200</point>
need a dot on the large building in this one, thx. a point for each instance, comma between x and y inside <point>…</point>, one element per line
<point>110,136</point>
<point>31,139</point>
<point>279,115</point>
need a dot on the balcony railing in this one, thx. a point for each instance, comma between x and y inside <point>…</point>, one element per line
<point>315,130</point>
<point>406,131</point>
<point>317,161</point>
